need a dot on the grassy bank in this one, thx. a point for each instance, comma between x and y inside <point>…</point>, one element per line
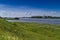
<point>28,31</point>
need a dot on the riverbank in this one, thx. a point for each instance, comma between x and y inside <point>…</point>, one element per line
<point>28,31</point>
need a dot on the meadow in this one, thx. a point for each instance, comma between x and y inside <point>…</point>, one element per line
<point>28,31</point>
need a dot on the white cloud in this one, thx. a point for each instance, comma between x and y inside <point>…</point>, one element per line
<point>11,11</point>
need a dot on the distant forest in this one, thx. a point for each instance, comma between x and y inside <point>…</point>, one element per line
<point>50,17</point>
<point>43,17</point>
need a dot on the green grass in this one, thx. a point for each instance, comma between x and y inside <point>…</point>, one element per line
<point>28,31</point>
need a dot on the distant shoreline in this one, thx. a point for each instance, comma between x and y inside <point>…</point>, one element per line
<point>40,17</point>
<point>46,17</point>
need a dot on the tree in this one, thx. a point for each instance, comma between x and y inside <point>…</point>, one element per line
<point>16,18</point>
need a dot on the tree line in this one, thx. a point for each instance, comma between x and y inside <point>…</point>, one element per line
<point>51,17</point>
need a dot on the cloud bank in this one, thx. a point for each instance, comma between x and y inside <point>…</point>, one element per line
<point>24,11</point>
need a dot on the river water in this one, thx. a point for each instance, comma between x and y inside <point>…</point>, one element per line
<point>37,20</point>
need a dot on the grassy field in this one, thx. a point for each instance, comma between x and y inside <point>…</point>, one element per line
<point>28,31</point>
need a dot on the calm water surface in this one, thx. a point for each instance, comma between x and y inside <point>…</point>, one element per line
<point>49,21</point>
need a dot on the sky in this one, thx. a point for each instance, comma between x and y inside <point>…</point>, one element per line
<point>27,8</point>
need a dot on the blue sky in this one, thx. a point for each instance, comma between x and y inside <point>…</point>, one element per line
<point>22,8</point>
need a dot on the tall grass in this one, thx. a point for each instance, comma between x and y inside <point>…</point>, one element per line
<point>28,31</point>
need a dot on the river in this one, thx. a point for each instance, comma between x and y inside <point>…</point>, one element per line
<point>37,20</point>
